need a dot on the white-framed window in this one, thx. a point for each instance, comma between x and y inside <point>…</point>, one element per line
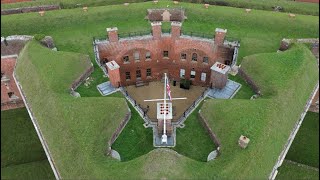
<point>203,77</point>
<point>182,73</point>
<point>148,55</point>
<point>205,59</point>
<point>126,59</point>
<point>193,74</point>
<point>136,56</point>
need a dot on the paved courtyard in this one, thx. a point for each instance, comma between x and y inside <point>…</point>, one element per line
<point>155,91</point>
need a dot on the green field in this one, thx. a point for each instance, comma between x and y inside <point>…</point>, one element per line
<point>77,130</point>
<point>289,171</point>
<point>287,5</point>
<point>305,147</point>
<point>22,155</point>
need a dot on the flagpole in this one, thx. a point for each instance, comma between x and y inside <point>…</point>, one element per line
<point>165,105</point>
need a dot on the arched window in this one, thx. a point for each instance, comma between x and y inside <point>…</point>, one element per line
<point>194,57</point>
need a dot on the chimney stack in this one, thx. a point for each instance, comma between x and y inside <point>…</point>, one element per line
<point>219,37</point>
<point>156,30</point>
<point>176,29</point>
<point>113,34</point>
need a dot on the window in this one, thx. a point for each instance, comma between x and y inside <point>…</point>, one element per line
<point>148,55</point>
<point>227,62</point>
<point>182,73</point>
<point>10,94</point>
<point>165,54</point>
<point>138,74</point>
<point>203,77</point>
<point>126,58</point>
<point>148,72</point>
<point>206,59</point>
<point>193,74</point>
<point>194,57</point>
<point>128,77</point>
<point>136,56</point>
<point>183,56</point>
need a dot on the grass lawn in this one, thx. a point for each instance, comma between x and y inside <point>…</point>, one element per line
<point>77,129</point>
<point>134,140</point>
<point>245,91</point>
<point>289,171</point>
<point>193,140</point>
<point>19,140</point>
<point>268,120</point>
<point>22,155</point>
<point>305,147</point>
<point>31,170</point>
<point>287,5</point>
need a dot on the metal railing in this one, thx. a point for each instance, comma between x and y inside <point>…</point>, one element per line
<point>198,34</point>
<point>134,34</point>
<point>231,39</point>
<point>190,109</point>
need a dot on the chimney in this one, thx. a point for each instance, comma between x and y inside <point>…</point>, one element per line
<point>219,37</point>
<point>113,34</point>
<point>175,29</point>
<point>156,30</point>
<point>114,73</point>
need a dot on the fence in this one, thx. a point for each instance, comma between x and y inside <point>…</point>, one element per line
<point>134,34</point>
<point>141,112</point>
<point>197,34</point>
<point>189,110</point>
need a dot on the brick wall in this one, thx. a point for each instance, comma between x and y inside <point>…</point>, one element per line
<point>29,9</point>
<point>248,79</point>
<point>156,45</point>
<point>205,124</point>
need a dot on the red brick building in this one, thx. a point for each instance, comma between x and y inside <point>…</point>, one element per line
<point>10,95</point>
<point>146,58</point>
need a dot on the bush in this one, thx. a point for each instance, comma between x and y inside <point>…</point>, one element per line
<point>39,37</point>
<point>185,84</point>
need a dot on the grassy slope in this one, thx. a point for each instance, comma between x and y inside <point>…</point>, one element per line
<point>193,140</point>
<point>82,155</point>
<point>72,30</point>
<point>22,155</point>
<point>134,140</point>
<point>292,171</point>
<point>32,170</point>
<point>19,141</point>
<point>305,147</point>
<point>268,120</point>
<point>68,123</point>
<point>289,6</point>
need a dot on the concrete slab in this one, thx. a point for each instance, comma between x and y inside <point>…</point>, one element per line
<point>106,88</point>
<point>227,92</point>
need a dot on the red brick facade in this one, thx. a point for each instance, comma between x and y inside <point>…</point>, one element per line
<point>200,53</point>
<point>10,95</point>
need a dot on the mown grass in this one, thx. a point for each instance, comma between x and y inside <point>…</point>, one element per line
<point>289,171</point>
<point>22,155</point>
<point>31,170</point>
<point>77,129</point>
<point>268,120</point>
<point>305,147</point>
<point>287,5</point>
<point>245,91</point>
<point>73,30</point>
<point>135,140</point>
<point>67,4</point>
<point>193,140</point>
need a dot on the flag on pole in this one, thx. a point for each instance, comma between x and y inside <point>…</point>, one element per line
<point>168,91</point>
